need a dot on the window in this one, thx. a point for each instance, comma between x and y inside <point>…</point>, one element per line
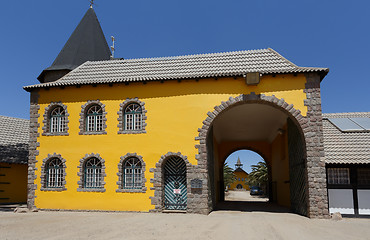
<point>93,176</point>
<point>54,173</point>
<point>363,175</point>
<point>338,176</point>
<point>94,119</point>
<point>57,120</point>
<point>133,117</point>
<point>132,174</point>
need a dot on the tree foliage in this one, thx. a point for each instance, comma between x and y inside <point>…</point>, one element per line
<point>259,175</point>
<point>229,176</point>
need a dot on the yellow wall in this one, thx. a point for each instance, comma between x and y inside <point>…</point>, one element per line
<point>280,169</point>
<point>175,111</point>
<point>13,183</point>
<point>239,175</point>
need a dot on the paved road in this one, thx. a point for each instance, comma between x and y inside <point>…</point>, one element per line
<point>217,225</point>
<point>243,196</point>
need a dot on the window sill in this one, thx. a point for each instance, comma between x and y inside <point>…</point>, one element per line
<point>90,189</point>
<point>131,132</point>
<point>55,134</point>
<point>93,133</point>
<point>54,189</point>
<point>140,190</point>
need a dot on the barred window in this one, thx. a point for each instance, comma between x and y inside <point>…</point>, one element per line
<point>57,120</point>
<point>132,172</point>
<point>54,173</point>
<point>94,119</point>
<point>338,176</point>
<point>133,117</point>
<point>363,176</point>
<point>93,177</point>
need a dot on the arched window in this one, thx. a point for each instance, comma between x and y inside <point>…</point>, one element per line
<point>94,119</point>
<point>57,120</point>
<point>132,174</point>
<point>133,117</point>
<point>93,176</point>
<point>54,173</point>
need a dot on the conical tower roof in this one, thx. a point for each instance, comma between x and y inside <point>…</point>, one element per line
<point>87,43</point>
<point>238,163</point>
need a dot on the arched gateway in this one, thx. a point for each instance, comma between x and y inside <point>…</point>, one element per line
<point>304,172</point>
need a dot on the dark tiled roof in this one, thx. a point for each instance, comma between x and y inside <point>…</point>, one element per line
<point>345,147</point>
<point>87,43</point>
<point>264,61</point>
<point>14,135</point>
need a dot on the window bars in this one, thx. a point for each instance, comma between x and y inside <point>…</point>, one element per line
<point>132,172</point>
<point>54,173</point>
<point>57,120</point>
<point>94,119</point>
<point>133,117</point>
<point>93,177</point>
<point>338,176</point>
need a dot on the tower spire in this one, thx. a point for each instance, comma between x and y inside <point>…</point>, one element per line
<point>87,43</point>
<point>238,163</point>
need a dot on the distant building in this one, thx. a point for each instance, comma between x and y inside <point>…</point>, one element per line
<point>241,177</point>
<point>14,134</point>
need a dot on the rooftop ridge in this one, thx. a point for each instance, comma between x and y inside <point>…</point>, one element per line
<point>186,56</point>
<point>2,116</point>
<point>343,114</point>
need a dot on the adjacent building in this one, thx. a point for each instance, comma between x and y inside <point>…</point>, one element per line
<point>347,154</point>
<point>14,134</point>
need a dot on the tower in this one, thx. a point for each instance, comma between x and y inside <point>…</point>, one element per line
<point>238,164</point>
<point>87,43</point>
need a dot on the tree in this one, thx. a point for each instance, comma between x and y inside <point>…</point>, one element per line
<point>258,175</point>
<point>229,176</point>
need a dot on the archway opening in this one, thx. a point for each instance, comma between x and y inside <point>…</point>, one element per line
<point>271,132</point>
<point>245,177</point>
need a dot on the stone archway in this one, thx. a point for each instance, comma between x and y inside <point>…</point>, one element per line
<point>309,129</point>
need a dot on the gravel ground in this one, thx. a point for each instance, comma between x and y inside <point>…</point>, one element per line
<point>231,224</point>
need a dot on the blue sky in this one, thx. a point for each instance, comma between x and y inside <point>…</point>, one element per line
<point>247,158</point>
<point>323,33</point>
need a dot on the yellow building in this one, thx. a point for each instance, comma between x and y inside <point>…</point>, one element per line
<point>13,160</point>
<point>241,177</point>
<point>152,134</point>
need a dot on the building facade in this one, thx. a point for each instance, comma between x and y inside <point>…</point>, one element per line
<point>347,153</point>
<point>153,134</point>
<point>241,177</point>
<point>14,134</point>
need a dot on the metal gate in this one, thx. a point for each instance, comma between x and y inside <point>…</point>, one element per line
<point>297,170</point>
<point>175,190</point>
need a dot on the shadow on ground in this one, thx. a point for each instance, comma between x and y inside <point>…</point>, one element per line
<point>251,207</point>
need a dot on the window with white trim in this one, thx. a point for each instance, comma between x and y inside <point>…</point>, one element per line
<point>54,173</point>
<point>338,176</point>
<point>133,117</point>
<point>57,120</point>
<point>94,119</point>
<point>93,175</point>
<point>132,174</point>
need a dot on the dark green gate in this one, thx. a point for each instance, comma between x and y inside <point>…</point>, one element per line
<point>175,190</point>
